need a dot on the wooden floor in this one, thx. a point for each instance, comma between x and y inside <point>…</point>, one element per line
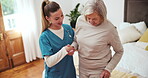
<point>29,70</point>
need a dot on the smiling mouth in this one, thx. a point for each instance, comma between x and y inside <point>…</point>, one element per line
<point>60,23</point>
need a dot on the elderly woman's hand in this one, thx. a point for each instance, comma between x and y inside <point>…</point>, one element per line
<point>70,49</point>
<point>105,74</point>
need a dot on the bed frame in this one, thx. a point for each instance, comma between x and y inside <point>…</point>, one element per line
<point>136,11</point>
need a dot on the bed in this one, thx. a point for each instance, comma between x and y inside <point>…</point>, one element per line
<point>134,63</point>
<point>131,32</point>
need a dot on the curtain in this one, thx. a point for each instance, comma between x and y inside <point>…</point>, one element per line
<point>26,23</point>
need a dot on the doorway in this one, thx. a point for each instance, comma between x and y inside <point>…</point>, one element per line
<point>11,47</point>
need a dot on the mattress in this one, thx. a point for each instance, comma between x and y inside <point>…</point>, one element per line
<point>134,59</point>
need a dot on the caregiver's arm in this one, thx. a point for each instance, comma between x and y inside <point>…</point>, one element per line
<point>54,59</point>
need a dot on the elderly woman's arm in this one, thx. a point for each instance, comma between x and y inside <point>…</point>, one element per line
<point>117,47</point>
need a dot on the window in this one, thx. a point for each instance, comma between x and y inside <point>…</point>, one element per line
<point>8,9</point>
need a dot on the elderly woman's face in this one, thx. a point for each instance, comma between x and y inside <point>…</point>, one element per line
<point>95,19</point>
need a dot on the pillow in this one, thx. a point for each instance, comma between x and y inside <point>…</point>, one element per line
<point>143,41</point>
<point>141,26</point>
<point>123,25</point>
<point>129,34</point>
<point>144,37</point>
<point>146,48</point>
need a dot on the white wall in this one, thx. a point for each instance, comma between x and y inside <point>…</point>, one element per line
<point>115,9</point>
<point>82,2</point>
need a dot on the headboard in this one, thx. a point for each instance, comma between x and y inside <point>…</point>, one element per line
<point>136,11</point>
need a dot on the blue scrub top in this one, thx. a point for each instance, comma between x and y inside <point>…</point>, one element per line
<point>51,44</point>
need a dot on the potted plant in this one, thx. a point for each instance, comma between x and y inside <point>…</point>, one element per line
<point>74,14</point>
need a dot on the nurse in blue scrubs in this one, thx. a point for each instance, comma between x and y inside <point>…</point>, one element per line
<point>55,43</point>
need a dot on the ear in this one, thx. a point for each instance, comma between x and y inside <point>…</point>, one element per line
<point>47,18</point>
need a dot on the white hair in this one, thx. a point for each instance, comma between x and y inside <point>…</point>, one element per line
<point>95,6</point>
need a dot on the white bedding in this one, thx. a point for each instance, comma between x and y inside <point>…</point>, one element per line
<point>134,59</point>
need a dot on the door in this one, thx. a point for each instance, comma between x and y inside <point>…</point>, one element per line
<point>15,48</point>
<point>11,47</point>
<point>4,62</point>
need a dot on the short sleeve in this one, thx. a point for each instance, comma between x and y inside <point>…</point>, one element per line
<point>45,46</point>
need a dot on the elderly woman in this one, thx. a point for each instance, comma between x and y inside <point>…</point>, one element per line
<point>94,37</point>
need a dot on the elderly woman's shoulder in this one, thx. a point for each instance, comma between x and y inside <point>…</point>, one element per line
<point>81,21</point>
<point>81,18</point>
<point>110,26</point>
